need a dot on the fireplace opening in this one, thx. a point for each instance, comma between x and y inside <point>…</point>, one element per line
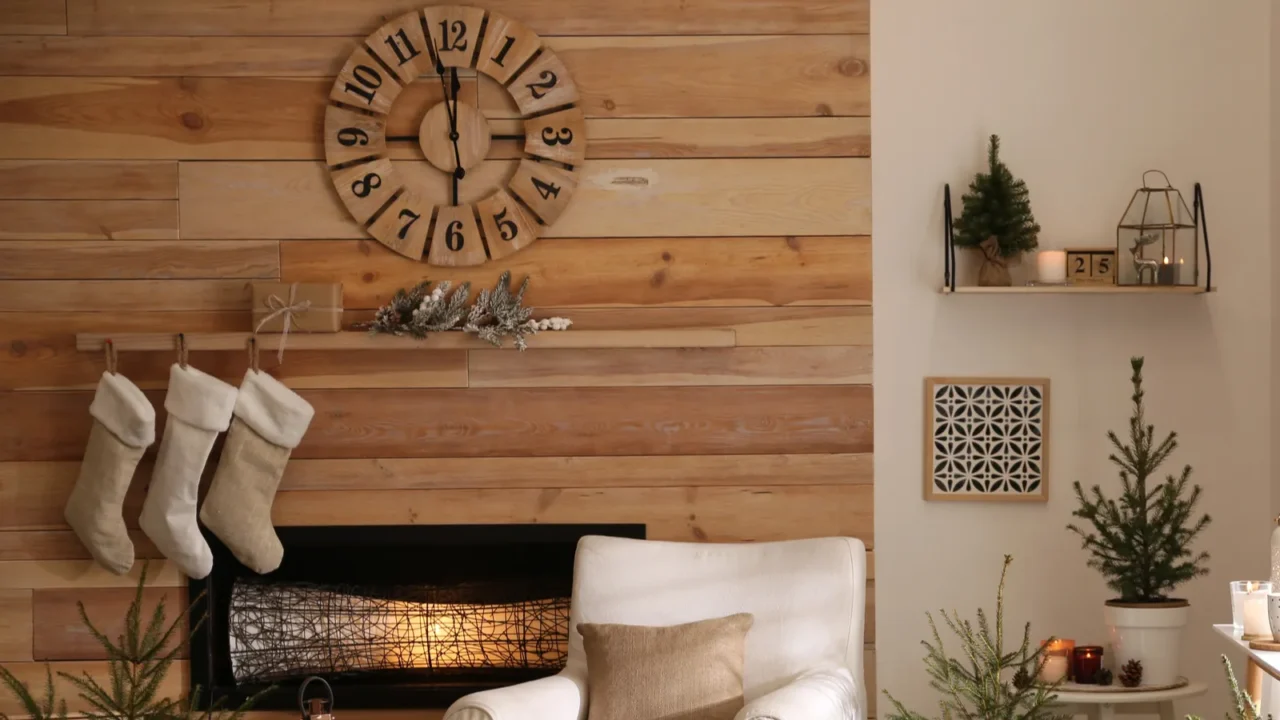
<point>391,616</point>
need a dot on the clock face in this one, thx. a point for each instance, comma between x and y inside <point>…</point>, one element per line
<point>429,221</point>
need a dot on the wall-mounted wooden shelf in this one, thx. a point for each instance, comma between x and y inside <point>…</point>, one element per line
<point>1080,290</point>
<point>575,339</point>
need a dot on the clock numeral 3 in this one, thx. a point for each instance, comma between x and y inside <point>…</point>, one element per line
<point>348,137</point>
<point>369,81</point>
<point>507,228</point>
<point>453,238</point>
<point>545,189</point>
<point>413,218</point>
<point>459,29</point>
<point>551,137</point>
<point>546,81</point>
<point>366,185</point>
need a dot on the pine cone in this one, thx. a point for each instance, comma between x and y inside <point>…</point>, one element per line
<point>1103,677</point>
<point>1022,679</point>
<point>1131,674</point>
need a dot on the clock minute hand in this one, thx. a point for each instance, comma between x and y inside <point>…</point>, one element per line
<point>457,155</point>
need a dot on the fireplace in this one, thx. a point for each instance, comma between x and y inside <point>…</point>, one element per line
<point>392,616</point>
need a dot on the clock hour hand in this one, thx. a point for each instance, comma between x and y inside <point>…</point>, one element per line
<point>454,85</point>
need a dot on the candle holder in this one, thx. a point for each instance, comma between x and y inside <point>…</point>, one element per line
<point>1239,590</point>
<point>1057,661</point>
<point>1086,662</point>
<point>1256,623</point>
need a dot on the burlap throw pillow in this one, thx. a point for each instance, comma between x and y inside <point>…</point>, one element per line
<point>680,672</point>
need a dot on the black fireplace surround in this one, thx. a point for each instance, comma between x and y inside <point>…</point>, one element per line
<point>509,568</point>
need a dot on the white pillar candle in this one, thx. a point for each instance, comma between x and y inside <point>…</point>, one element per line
<point>1051,266</point>
<point>1256,622</point>
<point>1054,670</point>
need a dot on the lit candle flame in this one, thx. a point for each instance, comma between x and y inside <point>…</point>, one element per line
<point>1166,259</point>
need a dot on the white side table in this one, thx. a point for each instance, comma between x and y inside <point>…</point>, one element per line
<point>1106,705</point>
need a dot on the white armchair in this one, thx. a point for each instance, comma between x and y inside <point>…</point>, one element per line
<point>804,650</point>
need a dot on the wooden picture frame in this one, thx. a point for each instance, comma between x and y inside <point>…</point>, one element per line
<point>986,439</point>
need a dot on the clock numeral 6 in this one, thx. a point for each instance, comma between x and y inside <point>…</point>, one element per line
<point>453,238</point>
<point>507,228</point>
<point>551,137</point>
<point>546,81</point>
<point>545,189</point>
<point>348,137</point>
<point>366,185</point>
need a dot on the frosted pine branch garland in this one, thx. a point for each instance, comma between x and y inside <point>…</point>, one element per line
<point>494,315</point>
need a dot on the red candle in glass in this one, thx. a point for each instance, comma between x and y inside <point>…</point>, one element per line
<point>1086,661</point>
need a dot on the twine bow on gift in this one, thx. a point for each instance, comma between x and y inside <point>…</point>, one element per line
<point>287,309</point>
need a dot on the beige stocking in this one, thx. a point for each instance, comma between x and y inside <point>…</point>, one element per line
<point>124,425</point>
<point>270,420</point>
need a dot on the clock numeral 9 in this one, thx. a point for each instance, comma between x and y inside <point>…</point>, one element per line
<point>413,218</point>
<point>551,137</point>
<point>348,137</point>
<point>546,81</point>
<point>459,32</point>
<point>453,238</point>
<point>545,189</point>
<point>507,228</point>
<point>366,185</point>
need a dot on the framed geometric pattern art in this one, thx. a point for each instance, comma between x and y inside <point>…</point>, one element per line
<point>986,439</point>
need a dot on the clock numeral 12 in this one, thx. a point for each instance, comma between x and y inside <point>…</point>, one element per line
<point>459,29</point>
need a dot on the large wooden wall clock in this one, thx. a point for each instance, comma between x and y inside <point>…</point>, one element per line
<point>431,46</point>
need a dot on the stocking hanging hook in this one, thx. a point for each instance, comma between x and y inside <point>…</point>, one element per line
<point>252,345</point>
<point>113,360</point>
<point>182,350</point>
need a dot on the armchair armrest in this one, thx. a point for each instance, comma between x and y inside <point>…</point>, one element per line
<point>827,694</point>
<point>559,697</point>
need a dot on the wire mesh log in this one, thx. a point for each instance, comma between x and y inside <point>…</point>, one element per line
<point>290,630</point>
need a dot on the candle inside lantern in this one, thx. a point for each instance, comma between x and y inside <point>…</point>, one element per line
<point>1166,274</point>
<point>1051,266</point>
<point>1057,661</point>
<point>1180,275</point>
<point>1257,626</point>
<point>1087,663</point>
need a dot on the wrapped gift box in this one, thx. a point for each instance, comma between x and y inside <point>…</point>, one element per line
<point>316,307</point>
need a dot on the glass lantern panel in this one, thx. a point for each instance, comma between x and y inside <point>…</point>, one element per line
<point>1157,241</point>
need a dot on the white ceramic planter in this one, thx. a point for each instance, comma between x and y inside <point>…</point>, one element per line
<point>1150,634</point>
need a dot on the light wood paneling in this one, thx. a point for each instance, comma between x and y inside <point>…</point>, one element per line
<point>54,574</point>
<point>33,17</point>
<point>139,260</point>
<point>88,220</point>
<point>34,675</point>
<point>122,295</point>
<point>691,514</point>
<point>672,367</point>
<point>638,272</point>
<point>61,545</point>
<point>576,472</point>
<point>728,137</point>
<point>32,494</point>
<point>15,625</point>
<point>756,326</point>
<point>60,633</point>
<point>562,17</point>
<point>88,180</point>
<point>783,196</point>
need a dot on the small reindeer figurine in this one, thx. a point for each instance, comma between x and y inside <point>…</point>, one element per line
<point>1141,265</point>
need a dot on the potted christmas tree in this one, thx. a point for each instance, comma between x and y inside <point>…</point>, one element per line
<point>997,219</point>
<point>1141,543</point>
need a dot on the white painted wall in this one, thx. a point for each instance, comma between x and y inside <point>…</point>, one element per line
<point>1086,94</point>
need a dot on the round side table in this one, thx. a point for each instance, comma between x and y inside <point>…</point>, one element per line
<point>1104,705</point>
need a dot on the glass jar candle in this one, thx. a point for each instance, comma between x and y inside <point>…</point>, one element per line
<point>1241,589</point>
<point>1056,665</point>
<point>1086,662</point>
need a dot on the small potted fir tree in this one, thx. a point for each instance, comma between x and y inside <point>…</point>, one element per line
<point>997,219</point>
<point>1141,543</point>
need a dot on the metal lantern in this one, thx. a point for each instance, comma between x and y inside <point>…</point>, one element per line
<point>1158,239</point>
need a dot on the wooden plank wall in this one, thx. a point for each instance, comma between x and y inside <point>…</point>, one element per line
<point>155,156</point>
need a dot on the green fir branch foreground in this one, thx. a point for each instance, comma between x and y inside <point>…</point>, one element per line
<point>1242,707</point>
<point>496,314</point>
<point>1141,541</point>
<point>138,661</point>
<point>979,685</point>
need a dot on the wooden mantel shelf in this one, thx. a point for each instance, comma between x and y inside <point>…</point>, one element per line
<point>1079,290</point>
<point>576,339</point>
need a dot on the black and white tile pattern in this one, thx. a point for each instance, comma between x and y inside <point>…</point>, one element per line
<point>987,440</point>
